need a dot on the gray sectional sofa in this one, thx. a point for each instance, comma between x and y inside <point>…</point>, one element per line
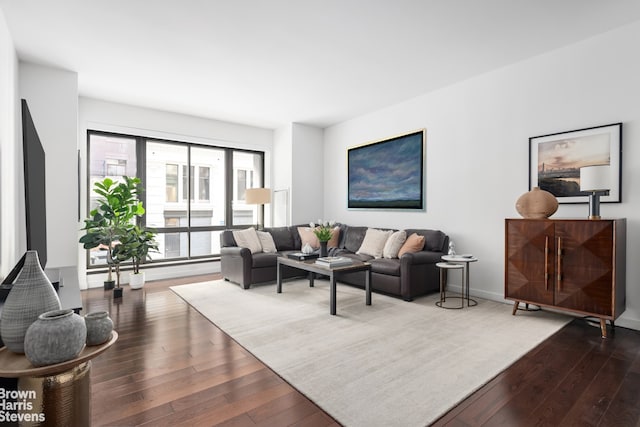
<point>407,277</point>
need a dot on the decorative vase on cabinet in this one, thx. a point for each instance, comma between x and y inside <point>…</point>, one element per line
<point>537,204</point>
<point>31,295</point>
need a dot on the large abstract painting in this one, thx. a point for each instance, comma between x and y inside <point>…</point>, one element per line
<point>387,174</point>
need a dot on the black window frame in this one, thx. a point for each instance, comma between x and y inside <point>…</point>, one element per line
<point>141,168</point>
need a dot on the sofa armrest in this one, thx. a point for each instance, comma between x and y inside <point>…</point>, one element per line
<point>420,257</point>
<point>236,251</point>
<point>235,265</point>
<point>418,273</point>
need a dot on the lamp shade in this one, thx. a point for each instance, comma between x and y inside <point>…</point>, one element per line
<point>595,178</point>
<point>257,196</point>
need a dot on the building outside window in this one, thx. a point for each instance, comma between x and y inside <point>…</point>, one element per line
<point>172,182</point>
<point>247,173</point>
<point>203,183</point>
<point>109,156</point>
<point>116,167</point>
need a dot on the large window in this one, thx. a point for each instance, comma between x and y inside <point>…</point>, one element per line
<point>191,192</point>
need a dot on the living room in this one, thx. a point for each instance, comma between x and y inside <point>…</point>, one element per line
<point>477,147</point>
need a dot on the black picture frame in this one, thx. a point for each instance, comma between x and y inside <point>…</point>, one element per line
<point>555,161</point>
<point>388,173</point>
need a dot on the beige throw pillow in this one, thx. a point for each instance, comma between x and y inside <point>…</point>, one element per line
<point>414,243</point>
<point>248,239</point>
<point>373,242</point>
<point>394,243</point>
<point>307,236</point>
<point>266,241</point>
<point>335,238</point>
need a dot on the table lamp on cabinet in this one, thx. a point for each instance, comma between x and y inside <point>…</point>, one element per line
<point>595,180</point>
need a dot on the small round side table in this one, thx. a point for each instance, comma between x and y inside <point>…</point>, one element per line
<point>463,260</point>
<point>445,267</point>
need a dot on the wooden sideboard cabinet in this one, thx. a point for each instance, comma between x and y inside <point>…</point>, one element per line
<point>576,265</point>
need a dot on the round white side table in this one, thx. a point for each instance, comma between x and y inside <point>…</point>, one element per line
<point>463,260</point>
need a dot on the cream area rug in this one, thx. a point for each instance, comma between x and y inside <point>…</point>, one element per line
<point>393,363</point>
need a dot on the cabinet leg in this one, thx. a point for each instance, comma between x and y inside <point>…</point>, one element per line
<point>603,327</point>
<point>515,307</point>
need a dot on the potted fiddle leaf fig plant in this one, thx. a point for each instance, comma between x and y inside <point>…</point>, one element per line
<point>118,206</point>
<point>135,245</point>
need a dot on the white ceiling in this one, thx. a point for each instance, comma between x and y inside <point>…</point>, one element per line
<point>271,62</point>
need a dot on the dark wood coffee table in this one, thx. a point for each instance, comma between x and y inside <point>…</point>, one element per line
<point>333,273</point>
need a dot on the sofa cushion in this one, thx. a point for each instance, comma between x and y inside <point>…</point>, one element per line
<point>353,238</point>
<point>266,241</point>
<point>357,257</point>
<point>264,259</point>
<point>386,266</point>
<point>248,239</point>
<point>374,241</point>
<point>394,243</point>
<point>282,238</point>
<point>414,243</point>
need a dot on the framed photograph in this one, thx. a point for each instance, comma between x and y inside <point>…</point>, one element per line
<point>555,161</point>
<point>388,174</point>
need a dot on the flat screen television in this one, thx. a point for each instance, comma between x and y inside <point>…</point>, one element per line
<point>34,186</point>
<point>35,194</point>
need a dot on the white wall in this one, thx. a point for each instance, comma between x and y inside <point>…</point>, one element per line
<point>298,168</point>
<point>307,185</point>
<point>52,96</point>
<point>12,241</point>
<point>477,149</point>
<point>282,161</point>
<point>113,117</point>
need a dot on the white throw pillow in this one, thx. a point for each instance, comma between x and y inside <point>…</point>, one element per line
<point>266,240</point>
<point>394,243</point>
<point>374,241</point>
<point>248,239</point>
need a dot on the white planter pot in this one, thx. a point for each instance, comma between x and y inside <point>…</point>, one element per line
<point>136,281</point>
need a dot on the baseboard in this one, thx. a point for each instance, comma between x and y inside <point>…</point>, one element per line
<point>160,273</point>
<point>628,323</point>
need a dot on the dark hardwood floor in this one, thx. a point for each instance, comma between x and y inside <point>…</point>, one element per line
<point>574,378</point>
<point>171,366</point>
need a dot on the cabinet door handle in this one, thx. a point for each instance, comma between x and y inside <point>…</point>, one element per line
<point>546,263</point>
<point>559,263</point>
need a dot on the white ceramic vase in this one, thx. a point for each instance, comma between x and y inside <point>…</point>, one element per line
<point>136,281</point>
